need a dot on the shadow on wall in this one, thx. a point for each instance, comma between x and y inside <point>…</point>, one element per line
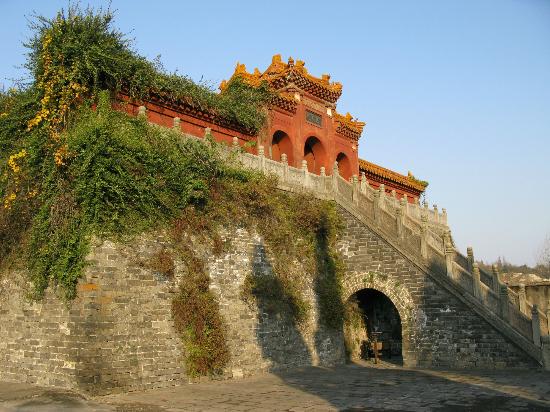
<point>94,370</point>
<point>283,341</point>
<point>278,334</point>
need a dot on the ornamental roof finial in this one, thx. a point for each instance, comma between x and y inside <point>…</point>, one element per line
<point>276,58</point>
<point>290,61</point>
<point>240,69</point>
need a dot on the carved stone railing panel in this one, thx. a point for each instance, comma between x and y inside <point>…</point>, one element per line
<point>520,322</point>
<point>273,167</point>
<point>435,241</point>
<point>295,176</point>
<point>412,224</point>
<point>317,183</point>
<point>345,189</point>
<point>461,260</point>
<point>463,278</point>
<point>489,298</point>
<point>388,223</point>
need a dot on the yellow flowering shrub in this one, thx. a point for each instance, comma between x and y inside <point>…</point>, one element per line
<point>12,161</point>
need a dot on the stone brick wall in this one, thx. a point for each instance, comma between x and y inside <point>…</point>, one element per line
<point>438,329</point>
<point>118,333</point>
<point>260,340</point>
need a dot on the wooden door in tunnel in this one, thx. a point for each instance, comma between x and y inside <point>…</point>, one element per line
<point>371,315</point>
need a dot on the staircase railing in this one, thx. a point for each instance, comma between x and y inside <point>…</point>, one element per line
<point>417,229</point>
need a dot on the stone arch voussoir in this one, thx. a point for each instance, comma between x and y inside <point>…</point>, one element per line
<point>412,316</point>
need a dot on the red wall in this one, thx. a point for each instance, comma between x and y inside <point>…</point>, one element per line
<point>299,130</point>
<point>329,143</point>
<point>188,124</point>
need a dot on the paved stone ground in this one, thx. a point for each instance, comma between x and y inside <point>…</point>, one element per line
<point>358,387</point>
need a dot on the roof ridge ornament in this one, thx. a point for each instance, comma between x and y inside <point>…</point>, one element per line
<point>280,74</point>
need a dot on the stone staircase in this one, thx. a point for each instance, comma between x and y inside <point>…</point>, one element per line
<point>422,235</point>
<point>424,238</point>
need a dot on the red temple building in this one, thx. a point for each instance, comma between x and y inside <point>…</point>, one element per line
<point>303,123</point>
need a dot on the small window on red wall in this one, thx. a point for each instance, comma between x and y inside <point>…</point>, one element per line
<point>314,118</point>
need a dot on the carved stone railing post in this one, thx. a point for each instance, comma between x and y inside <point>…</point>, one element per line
<point>284,161</point>
<point>261,158</point>
<point>399,216</point>
<point>235,144</point>
<point>394,198</point>
<point>424,236</point>
<point>535,322</point>
<point>305,180</point>
<point>444,216</point>
<point>522,300</point>
<point>470,258</point>
<point>406,209</point>
<point>436,214</point>
<point>426,211</point>
<point>503,300</point>
<point>335,176</point>
<point>176,124</point>
<point>450,254</point>
<point>355,189</point>
<point>382,197</point>
<point>476,281</point>
<point>142,112</point>
<point>323,175</point>
<point>376,208</point>
<point>496,277</point>
<point>364,183</point>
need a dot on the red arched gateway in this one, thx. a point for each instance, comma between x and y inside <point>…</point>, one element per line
<point>302,122</point>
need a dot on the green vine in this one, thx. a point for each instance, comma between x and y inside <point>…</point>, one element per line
<point>422,183</point>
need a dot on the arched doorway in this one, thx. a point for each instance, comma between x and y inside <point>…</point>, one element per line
<point>344,166</point>
<point>371,316</point>
<point>281,144</point>
<point>315,154</point>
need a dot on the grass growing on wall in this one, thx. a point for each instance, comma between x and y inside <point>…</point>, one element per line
<point>72,168</point>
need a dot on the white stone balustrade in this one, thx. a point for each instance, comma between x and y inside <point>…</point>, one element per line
<point>410,220</point>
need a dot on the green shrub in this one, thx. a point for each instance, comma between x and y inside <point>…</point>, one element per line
<point>197,319</point>
<point>79,53</point>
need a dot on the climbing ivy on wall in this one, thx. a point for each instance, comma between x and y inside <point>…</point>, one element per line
<point>72,168</point>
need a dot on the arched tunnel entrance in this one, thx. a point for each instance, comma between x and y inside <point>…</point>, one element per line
<point>372,317</point>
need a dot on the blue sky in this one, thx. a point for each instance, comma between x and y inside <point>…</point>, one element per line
<point>458,92</point>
